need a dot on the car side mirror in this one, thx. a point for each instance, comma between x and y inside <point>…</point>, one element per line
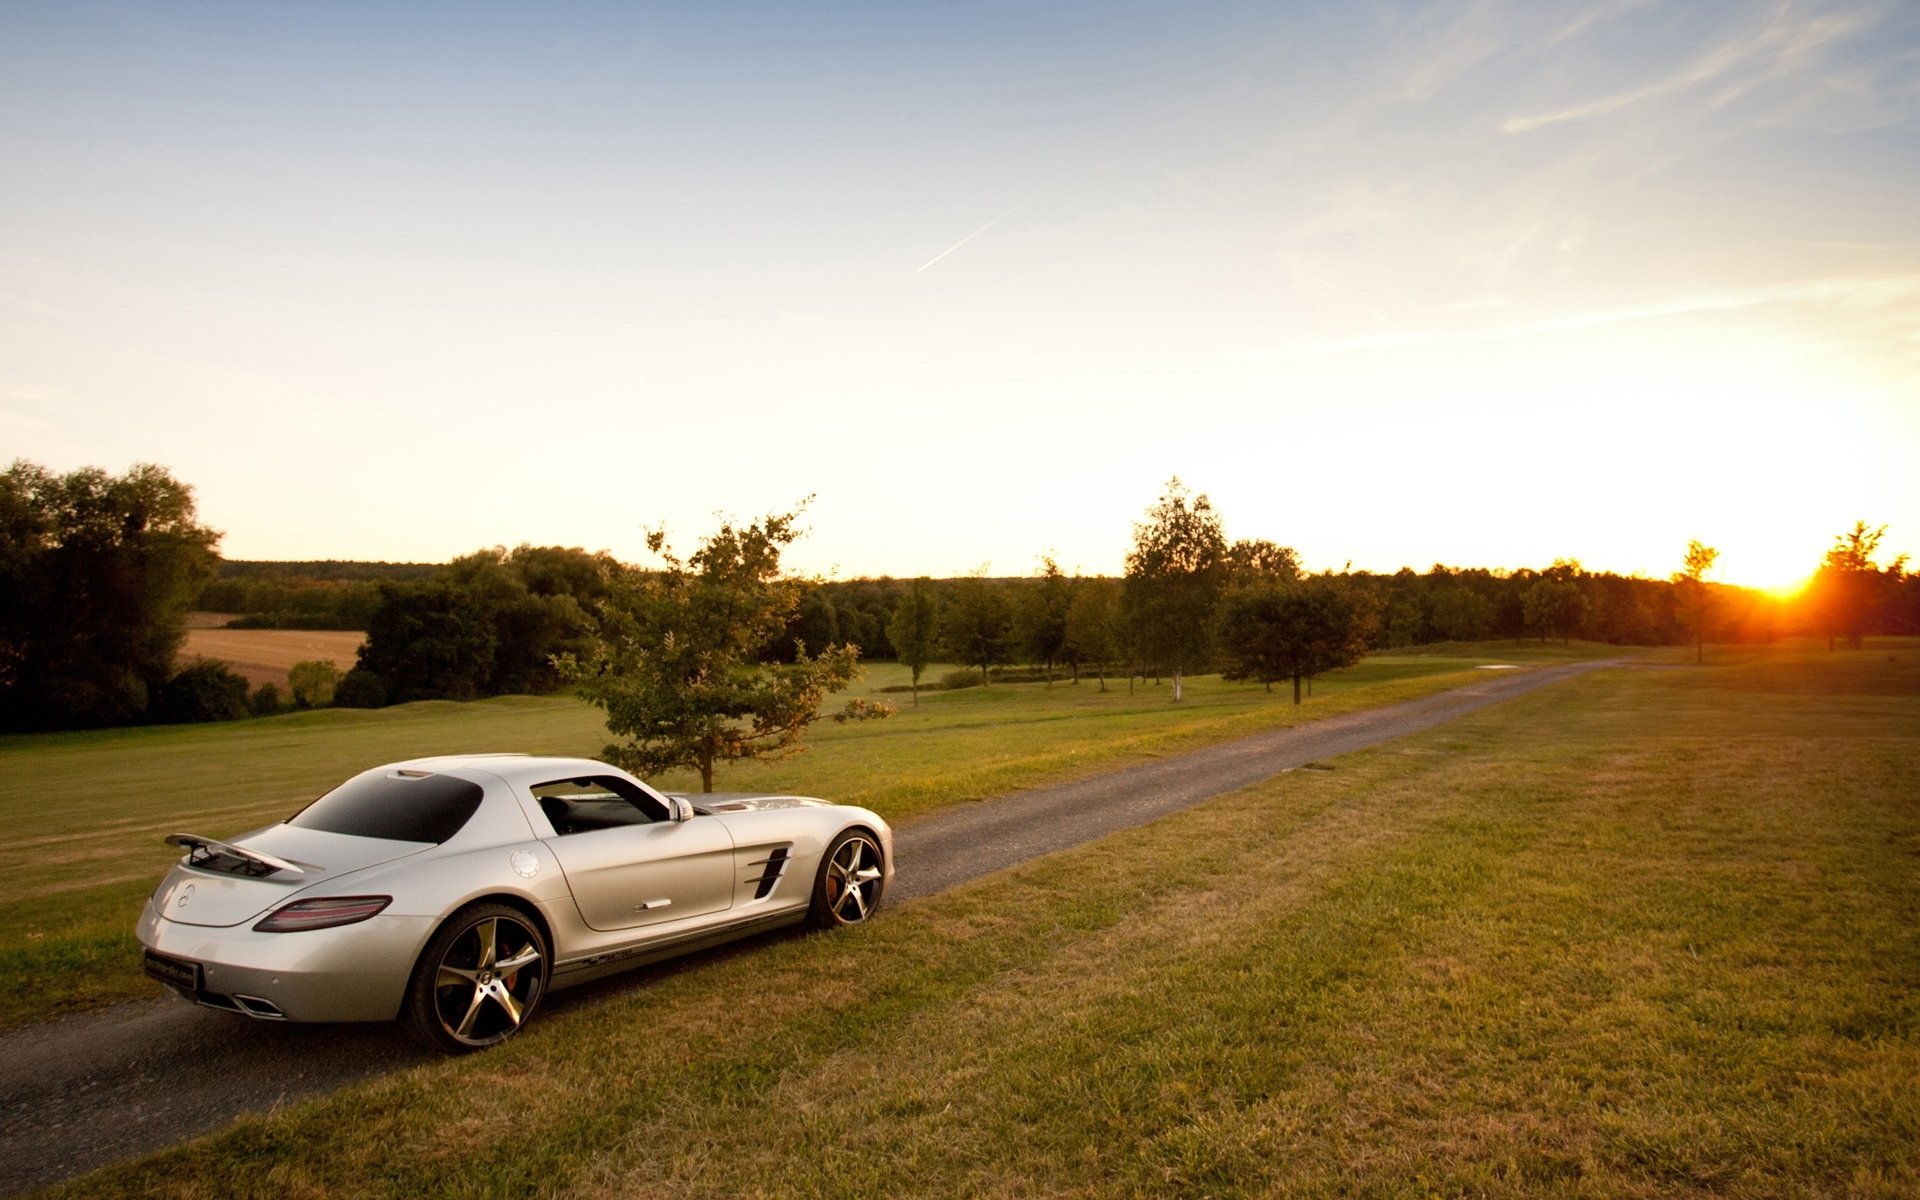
<point>682,809</point>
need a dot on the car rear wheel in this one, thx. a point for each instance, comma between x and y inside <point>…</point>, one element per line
<point>852,874</point>
<point>479,980</point>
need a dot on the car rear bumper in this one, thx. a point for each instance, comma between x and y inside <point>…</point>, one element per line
<point>353,972</point>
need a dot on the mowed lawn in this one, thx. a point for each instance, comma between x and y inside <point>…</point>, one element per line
<point>1649,932</point>
<point>89,810</point>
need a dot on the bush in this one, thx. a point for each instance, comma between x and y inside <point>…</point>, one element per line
<point>861,709</point>
<point>955,680</point>
<point>206,691</point>
<point>265,701</point>
<point>360,688</point>
<point>313,683</point>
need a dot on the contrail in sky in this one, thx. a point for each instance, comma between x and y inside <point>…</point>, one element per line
<point>976,233</point>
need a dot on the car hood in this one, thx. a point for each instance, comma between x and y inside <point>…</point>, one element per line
<point>220,892</point>
<point>736,802</point>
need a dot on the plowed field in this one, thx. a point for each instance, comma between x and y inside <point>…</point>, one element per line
<point>264,655</point>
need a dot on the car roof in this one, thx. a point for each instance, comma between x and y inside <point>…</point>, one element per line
<point>523,769</point>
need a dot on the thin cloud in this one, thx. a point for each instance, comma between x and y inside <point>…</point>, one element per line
<point>1784,47</point>
<point>976,233</point>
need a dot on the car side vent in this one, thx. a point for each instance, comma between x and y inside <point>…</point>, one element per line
<point>772,867</point>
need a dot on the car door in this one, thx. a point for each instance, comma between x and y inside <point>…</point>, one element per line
<point>628,863</point>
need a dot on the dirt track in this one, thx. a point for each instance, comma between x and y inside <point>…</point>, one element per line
<point>93,1089</point>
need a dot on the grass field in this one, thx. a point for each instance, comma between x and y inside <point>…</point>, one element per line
<point>91,808</point>
<point>1645,933</point>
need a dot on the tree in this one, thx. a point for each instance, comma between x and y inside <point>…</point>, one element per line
<point>1694,600</point>
<point>97,573</point>
<point>1272,629</point>
<point>1042,619</point>
<point>1460,614</point>
<point>313,683</point>
<point>494,622</point>
<point>1174,574</point>
<point>1846,589</point>
<point>1554,607</point>
<point>978,623</point>
<point>206,691</point>
<point>915,630</point>
<point>1249,558</point>
<point>1093,625</point>
<point>675,662</point>
<point>428,641</point>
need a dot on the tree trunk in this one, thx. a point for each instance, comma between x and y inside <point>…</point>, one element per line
<point>706,773</point>
<point>1176,685</point>
<point>1296,687</point>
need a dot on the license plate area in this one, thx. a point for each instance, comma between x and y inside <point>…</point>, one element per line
<point>173,972</point>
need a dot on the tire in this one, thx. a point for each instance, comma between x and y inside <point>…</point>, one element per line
<point>479,980</point>
<point>852,875</point>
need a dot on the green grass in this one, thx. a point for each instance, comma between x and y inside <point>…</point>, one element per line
<point>91,808</point>
<point>1646,933</point>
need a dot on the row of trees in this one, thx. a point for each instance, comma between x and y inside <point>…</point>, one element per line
<point>98,572</point>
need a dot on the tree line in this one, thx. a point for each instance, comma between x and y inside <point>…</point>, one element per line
<point>98,573</point>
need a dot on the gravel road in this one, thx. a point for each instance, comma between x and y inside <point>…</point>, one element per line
<point>87,1090</point>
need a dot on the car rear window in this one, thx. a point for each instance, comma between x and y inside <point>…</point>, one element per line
<point>398,807</point>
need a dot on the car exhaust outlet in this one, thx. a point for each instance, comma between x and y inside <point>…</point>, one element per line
<point>258,1008</point>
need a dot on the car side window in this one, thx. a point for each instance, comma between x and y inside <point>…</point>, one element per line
<point>596,802</point>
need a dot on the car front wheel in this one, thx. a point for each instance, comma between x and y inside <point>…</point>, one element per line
<point>847,890</point>
<point>479,980</point>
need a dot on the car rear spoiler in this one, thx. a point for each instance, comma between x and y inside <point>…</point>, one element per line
<point>202,851</point>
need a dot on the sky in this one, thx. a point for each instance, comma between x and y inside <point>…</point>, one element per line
<point>1479,283</point>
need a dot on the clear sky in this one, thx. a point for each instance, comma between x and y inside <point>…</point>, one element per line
<point>1395,283</point>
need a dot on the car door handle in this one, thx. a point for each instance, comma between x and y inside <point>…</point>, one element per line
<point>651,904</point>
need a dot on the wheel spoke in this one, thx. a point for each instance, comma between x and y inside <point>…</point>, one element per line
<point>505,1000</point>
<point>451,976</point>
<point>526,957</point>
<point>486,931</point>
<point>473,1010</point>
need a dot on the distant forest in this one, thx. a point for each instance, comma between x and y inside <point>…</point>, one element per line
<point>99,572</point>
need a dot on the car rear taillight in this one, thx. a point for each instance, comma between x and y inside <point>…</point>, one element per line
<point>321,914</point>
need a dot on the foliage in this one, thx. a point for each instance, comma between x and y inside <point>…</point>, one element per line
<point>978,623</point>
<point>1554,607</point>
<point>265,700</point>
<point>1095,626</point>
<point>1849,587</point>
<point>1251,558</point>
<point>1041,619</point>
<point>208,690</point>
<point>1174,575</point>
<point>360,688</point>
<point>1694,601</point>
<point>492,623</point>
<point>862,709</point>
<point>914,630</point>
<point>313,683</point>
<point>1272,629</point>
<point>675,663</point>
<point>97,573</point>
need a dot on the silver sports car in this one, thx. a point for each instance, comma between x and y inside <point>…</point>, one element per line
<point>452,893</point>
